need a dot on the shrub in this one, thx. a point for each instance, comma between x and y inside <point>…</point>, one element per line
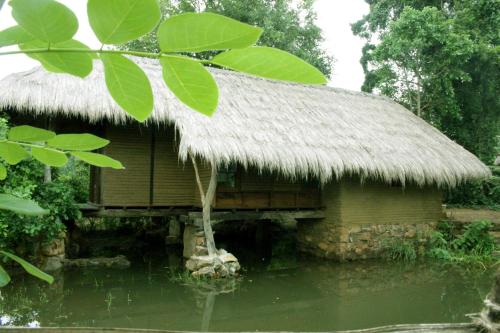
<point>60,197</point>
<point>473,245</point>
<point>483,193</point>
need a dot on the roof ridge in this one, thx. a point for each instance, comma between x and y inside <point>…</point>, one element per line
<point>154,63</point>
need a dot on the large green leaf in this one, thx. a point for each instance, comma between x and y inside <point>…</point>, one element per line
<point>47,20</point>
<point>4,277</point>
<point>191,83</point>
<point>14,35</point>
<point>50,157</point>
<point>75,63</point>
<point>3,172</point>
<point>128,85</point>
<point>12,152</point>
<point>270,63</point>
<point>28,133</point>
<point>29,267</point>
<point>83,141</point>
<point>196,32</point>
<point>99,160</point>
<point>20,206</point>
<point>119,21</point>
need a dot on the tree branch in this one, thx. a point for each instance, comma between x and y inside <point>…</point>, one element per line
<point>198,181</point>
<point>98,51</point>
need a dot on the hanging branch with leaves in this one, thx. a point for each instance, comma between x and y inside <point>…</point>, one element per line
<point>46,29</point>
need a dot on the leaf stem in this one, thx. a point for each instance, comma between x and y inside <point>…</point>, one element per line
<point>98,51</point>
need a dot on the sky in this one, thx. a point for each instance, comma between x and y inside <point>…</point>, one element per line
<point>334,18</point>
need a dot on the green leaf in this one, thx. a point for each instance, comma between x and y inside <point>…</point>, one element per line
<point>28,133</point>
<point>191,83</point>
<point>4,277</point>
<point>196,32</point>
<point>47,20</point>
<point>14,35</point>
<point>3,172</point>
<point>75,63</point>
<point>50,157</point>
<point>20,206</point>
<point>128,85</point>
<point>119,21</point>
<point>99,160</point>
<point>270,63</point>
<point>12,152</point>
<point>83,141</point>
<point>29,268</point>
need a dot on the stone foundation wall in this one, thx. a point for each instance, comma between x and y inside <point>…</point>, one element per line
<point>361,217</point>
<point>339,242</point>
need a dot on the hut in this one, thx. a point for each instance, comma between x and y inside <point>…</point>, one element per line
<point>352,168</point>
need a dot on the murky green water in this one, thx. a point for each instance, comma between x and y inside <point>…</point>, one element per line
<point>309,296</point>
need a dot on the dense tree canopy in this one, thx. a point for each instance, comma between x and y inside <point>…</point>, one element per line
<point>287,27</point>
<point>439,58</point>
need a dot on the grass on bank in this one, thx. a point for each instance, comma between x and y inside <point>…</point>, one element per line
<point>472,245</point>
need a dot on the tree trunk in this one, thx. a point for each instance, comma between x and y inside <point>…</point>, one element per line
<point>419,100</point>
<point>47,174</point>
<point>207,208</point>
<point>206,201</point>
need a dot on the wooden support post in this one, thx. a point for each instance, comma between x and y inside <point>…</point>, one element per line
<point>206,201</point>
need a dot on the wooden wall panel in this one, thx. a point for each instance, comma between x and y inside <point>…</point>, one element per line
<point>131,145</point>
<point>378,203</point>
<point>265,190</point>
<point>174,181</point>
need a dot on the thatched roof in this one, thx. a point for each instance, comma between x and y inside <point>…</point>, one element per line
<point>291,128</point>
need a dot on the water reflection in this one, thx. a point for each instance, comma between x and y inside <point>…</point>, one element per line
<point>310,296</point>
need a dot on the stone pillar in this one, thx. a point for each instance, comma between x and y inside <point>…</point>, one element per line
<point>174,232</point>
<point>193,241</point>
<point>53,254</point>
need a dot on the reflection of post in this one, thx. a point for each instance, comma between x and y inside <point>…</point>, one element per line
<point>207,311</point>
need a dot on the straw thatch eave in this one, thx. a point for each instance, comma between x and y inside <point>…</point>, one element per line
<point>294,129</point>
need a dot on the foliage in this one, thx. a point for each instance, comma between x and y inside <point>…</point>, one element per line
<point>48,148</point>
<point>57,197</point>
<point>440,58</point>
<point>400,249</point>
<point>285,27</point>
<point>473,245</point>
<point>480,193</point>
<point>33,211</point>
<point>417,59</point>
<point>5,279</point>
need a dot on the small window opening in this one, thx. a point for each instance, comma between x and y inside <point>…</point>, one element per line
<point>226,176</point>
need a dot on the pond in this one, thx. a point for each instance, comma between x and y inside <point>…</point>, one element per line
<point>294,294</point>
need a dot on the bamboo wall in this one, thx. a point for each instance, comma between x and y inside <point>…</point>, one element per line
<point>353,203</point>
<point>154,177</point>
<point>131,186</point>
